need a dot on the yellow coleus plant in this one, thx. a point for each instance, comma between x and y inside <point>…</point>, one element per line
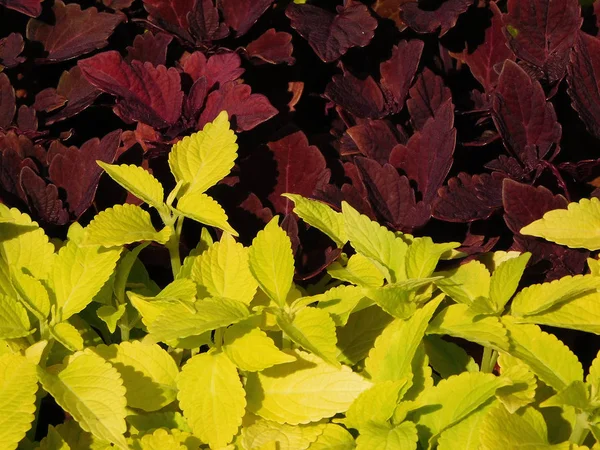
<point>234,354</point>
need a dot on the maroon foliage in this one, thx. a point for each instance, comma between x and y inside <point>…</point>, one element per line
<point>362,98</point>
<point>10,49</point>
<point>241,14</point>
<point>74,32</point>
<point>443,18</point>
<point>7,102</point>
<point>43,198</point>
<point>526,121</point>
<point>218,69</point>
<point>426,96</point>
<point>32,8</point>
<point>150,48</point>
<point>375,139</point>
<point>146,93</point>
<point>273,47</point>
<point>541,33</point>
<point>397,73</point>
<point>301,170</point>
<point>204,22</point>
<point>331,35</point>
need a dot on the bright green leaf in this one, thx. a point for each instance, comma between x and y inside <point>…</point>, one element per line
<point>161,439</point>
<point>121,225</point>
<point>250,349</point>
<point>376,242</point>
<point>385,436</point>
<point>212,397</point>
<point>539,297</point>
<point>466,434</point>
<point>204,209</point>
<point>53,441</point>
<point>397,299</point>
<point>272,262</point>
<point>320,216</point>
<point>340,302</point>
<point>505,280</point>
<point>97,403</point>
<point>575,394</point>
<point>206,157</point>
<point>67,335</point>
<point>138,181</point>
<point>359,270</point>
<point>14,322</point>
<point>143,422</point>
<point>18,385</point>
<point>334,437</point>
<point>391,357</point>
<point>286,437</point>
<point>303,391</point>
<point>465,283</point>
<point>33,294</point>
<point>593,377</point>
<point>223,271</point>
<point>376,405</point>
<point>79,274</point>
<point>314,330</point>
<point>110,315</point>
<point>578,226</point>
<point>447,358</point>
<point>522,390</point>
<point>546,356</point>
<point>149,373</point>
<point>423,256</point>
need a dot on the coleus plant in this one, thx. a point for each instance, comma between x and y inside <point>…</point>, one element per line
<point>233,354</point>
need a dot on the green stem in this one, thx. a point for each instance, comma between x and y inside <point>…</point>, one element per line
<point>488,361</point>
<point>173,247</point>
<point>219,338</point>
<point>124,332</point>
<point>581,430</point>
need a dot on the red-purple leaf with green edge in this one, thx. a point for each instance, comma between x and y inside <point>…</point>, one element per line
<point>247,110</point>
<point>426,96</point>
<point>361,98</point>
<point>301,169</point>
<point>43,199</point>
<point>542,33</point>
<point>522,115</point>
<point>332,35</point>
<point>391,196</point>
<point>427,156</point>
<point>8,106</point>
<point>397,73</point>
<point>146,93</point>
<point>218,69</point>
<point>375,139</point>
<point>74,32</point>
<point>469,197</point>
<point>32,8</point>
<point>10,48</point>
<point>204,22</point>
<point>584,81</point>
<point>425,21</point>
<point>78,92</point>
<point>150,48</point>
<point>242,14</point>
<point>273,47</point>
<point>75,169</point>
<point>487,59</point>
<point>523,204</point>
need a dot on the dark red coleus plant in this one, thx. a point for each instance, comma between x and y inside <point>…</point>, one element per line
<point>460,119</point>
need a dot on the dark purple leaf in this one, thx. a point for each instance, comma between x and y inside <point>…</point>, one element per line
<point>542,32</point>
<point>391,196</point>
<point>509,166</point>
<point>525,120</point>
<point>467,198</point>
<point>242,14</point>
<point>272,46</point>
<point>32,8</point>
<point>218,69</point>
<point>7,102</point>
<point>48,100</point>
<point>79,93</point>
<point>74,32</point>
<point>425,21</point>
<point>27,119</point>
<point>117,4</point>
<point>247,109</point>
<point>289,224</point>
<point>487,59</point>
<point>397,73</point>
<point>427,156</point>
<point>375,139</point>
<point>362,98</point>
<point>584,81</point>
<point>76,171</point>
<point>301,169</point>
<point>150,48</point>
<point>426,96</point>
<point>146,93</point>
<point>170,12</point>
<point>43,198</point>
<point>332,35</point>
<point>204,22</point>
<point>195,99</point>
<point>10,49</point>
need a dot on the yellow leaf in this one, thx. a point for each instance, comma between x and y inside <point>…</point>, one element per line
<point>466,283</point>
<point>205,157</point>
<point>161,439</point>
<point>341,301</point>
<point>334,437</point>
<point>204,209</point>
<point>18,385</point>
<point>286,437</point>
<point>249,348</point>
<point>67,335</point>
<point>303,391</point>
<point>138,181</point>
<point>97,403</point>
<point>359,270</point>
<point>212,397</point>
<point>223,271</point>
<point>387,436</point>
<point>377,404</point>
<point>578,226</point>
<point>14,322</point>
<point>33,294</point>
<point>272,262</point>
